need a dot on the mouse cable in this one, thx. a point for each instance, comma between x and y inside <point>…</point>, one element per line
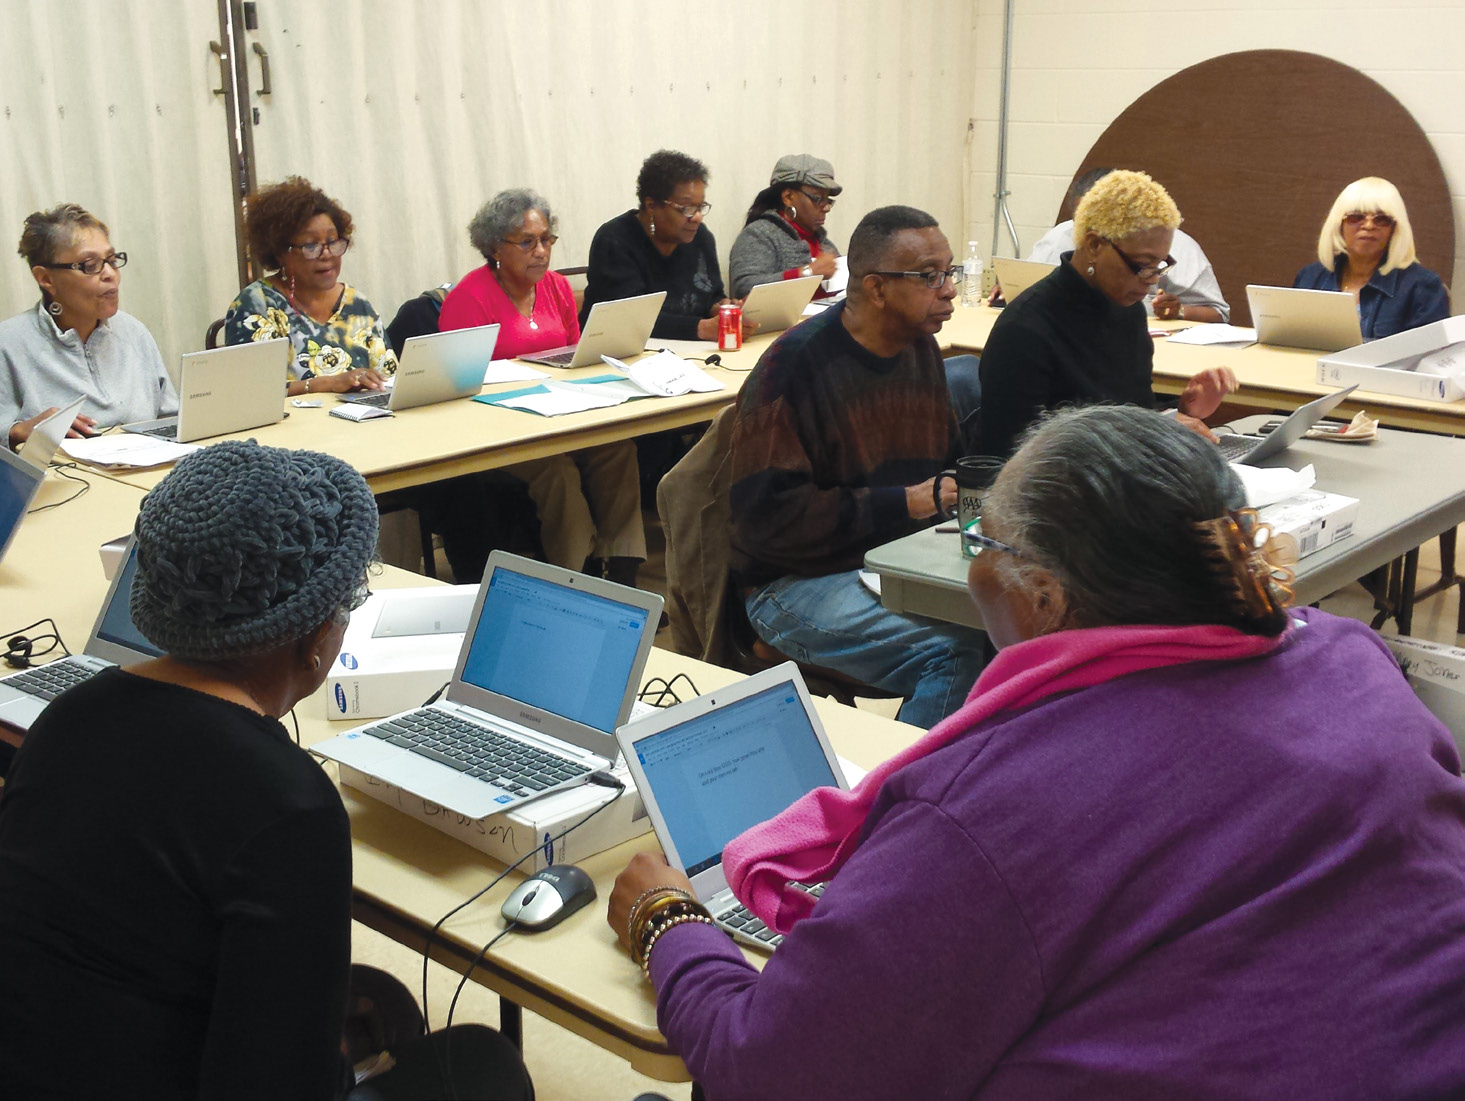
<point>446,1064</point>
<point>600,778</point>
<point>61,473</point>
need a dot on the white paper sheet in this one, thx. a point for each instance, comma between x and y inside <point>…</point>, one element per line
<point>562,397</point>
<point>511,370</point>
<point>1207,335</point>
<point>126,449</point>
<point>840,279</point>
<point>666,375</point>
<point>1268,485</point>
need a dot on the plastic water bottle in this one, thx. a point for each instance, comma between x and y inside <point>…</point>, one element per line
<point>971,282</point>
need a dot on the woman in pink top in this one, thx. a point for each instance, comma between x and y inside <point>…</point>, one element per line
<point>589,501</point>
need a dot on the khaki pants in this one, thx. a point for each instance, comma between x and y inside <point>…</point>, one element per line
<point>589,503</point>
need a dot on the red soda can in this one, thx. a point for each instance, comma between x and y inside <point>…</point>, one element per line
<point>729,327</point>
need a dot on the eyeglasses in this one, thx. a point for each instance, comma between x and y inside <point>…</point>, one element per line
<point>986,542</point>
<point>92,265</point>
<point>311,250</point>
<point>1142,271</point>
<point>529,244</point>
<point>823,202</point>
<point>1357,218</point>
<point>687,211</point>
<point>934,280</point>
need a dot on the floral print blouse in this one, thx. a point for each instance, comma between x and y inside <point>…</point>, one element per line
<point>351,338</point>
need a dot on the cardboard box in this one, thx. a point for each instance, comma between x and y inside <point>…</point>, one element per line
<point>1387,366</point>
<point>1436,672</point>
<point>507,837</point>
<point>1309,521</point>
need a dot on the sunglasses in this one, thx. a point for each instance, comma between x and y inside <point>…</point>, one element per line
<point>1356,219</point>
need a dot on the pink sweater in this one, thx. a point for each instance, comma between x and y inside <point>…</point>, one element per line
<point>479,300</point>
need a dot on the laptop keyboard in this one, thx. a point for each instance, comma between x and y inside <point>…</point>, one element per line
<point>378,399</point>
<point>741,919</point>
<point>46,682</point>
<point>563,359</point>
<point>478,752</point>
<point>163,432</point>
<point>1236,447</point>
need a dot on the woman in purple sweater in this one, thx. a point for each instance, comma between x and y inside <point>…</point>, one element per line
<point>1181,841</point>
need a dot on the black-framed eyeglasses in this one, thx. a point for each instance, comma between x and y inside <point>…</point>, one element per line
<point>1357,218</point>
<point>823,202</point>
<point>687,211</point>
<point>92,265</point>
<point>529,244</point>
<point>311,250</point>
<point>1142,271</point>
<point>986,542</point>
<point>934,280</point>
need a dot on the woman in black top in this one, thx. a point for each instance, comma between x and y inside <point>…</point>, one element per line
<point>1081,334</point>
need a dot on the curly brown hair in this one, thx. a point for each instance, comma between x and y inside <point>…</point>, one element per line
<point>276,213</point>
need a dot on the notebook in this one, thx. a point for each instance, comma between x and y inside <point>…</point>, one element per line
<point>1251,450</point>
<point>617,329</point>
<point>225,390</point>
<point>1293,318</point>
<point>709,769</point>
<point>19,483</point>
<point>548,669</point>
<point>1016,276</point>
<point>776,306</point>
<point>47,435</point>
<point>434,368</point>
<point>114,640</point>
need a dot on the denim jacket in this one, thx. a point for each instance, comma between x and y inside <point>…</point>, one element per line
<point>1406,298</point>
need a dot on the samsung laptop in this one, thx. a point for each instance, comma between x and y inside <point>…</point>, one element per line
<point>435,368</point>
<point>1251,450</point>
<point>226,390</point>
<point>617,329</point>
<point>709,769</point>
<point>1016,276</point>
<point>1294,318</point>
<point>40,446</point>
<point>19,483</point>
<point>114,641</point>
<point>777,306</point>
<point>549,667</point>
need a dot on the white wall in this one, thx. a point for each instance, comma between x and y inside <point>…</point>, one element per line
<point>1077,64</point>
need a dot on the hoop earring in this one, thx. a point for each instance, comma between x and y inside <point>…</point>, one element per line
<point>315,663</point>
<point>54,309</point>
<point>792,213</point>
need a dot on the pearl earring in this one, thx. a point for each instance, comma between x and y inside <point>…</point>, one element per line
<point>652,230</point>
<point>54,309</point>
<point>1091,269</point>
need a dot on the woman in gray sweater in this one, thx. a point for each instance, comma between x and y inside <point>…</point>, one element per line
<point>784,236</point>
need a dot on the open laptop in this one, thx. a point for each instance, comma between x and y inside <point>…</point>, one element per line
<point>114,641</point>
<point>1293,318</point>
<point>1251,450</point>
<point>711,768</point>
<point>549,667</point>
<point>435,368</point>
<point>776,306</point>
<point>19,483</point>
<point>47,435</point>
<point>617,329</point>
<point>226,390</point>
<point>1016,276</point>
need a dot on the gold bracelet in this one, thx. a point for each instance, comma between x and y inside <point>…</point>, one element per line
<point>681,919</point>
<point>656,912</point>
<point>308,382</point>
<point>643,897</point>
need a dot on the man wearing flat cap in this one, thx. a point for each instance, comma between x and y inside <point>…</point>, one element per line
<point>784,236</point>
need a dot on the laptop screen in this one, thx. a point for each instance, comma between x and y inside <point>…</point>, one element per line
<point>564,650</point>
<point>18,481</point>
<point>116,625</point>
<point>730,768</point>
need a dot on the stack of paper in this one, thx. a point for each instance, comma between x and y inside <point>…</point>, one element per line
<point>126,449</point>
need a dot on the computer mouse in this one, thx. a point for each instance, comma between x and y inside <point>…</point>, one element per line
<point>548,897</point>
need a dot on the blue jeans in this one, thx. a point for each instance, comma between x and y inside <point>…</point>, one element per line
<point>964,386</point>
<point>836,622</point>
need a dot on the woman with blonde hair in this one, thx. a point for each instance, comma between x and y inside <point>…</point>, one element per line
<point>1366,248</point>
<point>1081,335</point>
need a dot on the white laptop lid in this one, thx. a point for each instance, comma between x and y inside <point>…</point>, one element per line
<point>1294,318</point>
<point>1016,276</point>
<point>47,435</point>
<point>711,768</point>
<point>776,306</point>
<point>232,389</point>
<point>19,482</point>
<point>440,367</point>
<point>617,329</point>
<point>555,651</point>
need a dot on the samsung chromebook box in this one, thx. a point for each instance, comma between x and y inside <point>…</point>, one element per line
<point>618,329</point>
<point>435,368</point>
<point>226,390</point>
<point>776,306</point>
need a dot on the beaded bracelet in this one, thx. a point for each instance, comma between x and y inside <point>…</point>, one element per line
<point>654,913</point>
<point>642,898</point>
<point>680,919</point>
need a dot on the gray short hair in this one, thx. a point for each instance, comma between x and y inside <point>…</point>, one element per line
<point>1110,500</point>
<point>503,214</point>
<point>47,232</point>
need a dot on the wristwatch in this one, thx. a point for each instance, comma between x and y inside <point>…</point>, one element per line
<point>807,270</point>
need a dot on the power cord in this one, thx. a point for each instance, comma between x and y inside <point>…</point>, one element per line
<point>447,1067</point>
<point>668,688</point>
<point>296,723</point>
<point>61,472</point>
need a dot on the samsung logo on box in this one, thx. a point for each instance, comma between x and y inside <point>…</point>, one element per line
<point>341,698</point>
<point>347,660</point>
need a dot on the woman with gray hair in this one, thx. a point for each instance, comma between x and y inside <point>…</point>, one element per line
<point>77,341</point>
<point>1181,841</point>
<point>589,501</point>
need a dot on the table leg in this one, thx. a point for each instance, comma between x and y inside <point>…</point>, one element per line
<point>511,1022</point>
<point>698,1093</point>
<point>1404,610</point>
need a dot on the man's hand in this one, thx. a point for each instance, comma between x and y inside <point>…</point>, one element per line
<point>920,503</point>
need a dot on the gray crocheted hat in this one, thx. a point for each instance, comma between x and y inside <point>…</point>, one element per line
<point>243,548</point>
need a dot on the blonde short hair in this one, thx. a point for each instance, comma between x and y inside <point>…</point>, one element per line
<point>1122,203</point>
<point>1370,195</point>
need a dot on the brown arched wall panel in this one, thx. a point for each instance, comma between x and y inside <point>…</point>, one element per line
<point>1255,147</point>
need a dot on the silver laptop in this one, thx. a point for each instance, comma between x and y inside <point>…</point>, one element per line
<point>776,306</point>
<point>1238,448</point>
<point>711,768</point>
<point>226,390</point>
<point>1016,276</point>
<point>549,668</point>
<point>1293,318</point>
<point>19,483</point>
<point>40,446</point>
<point>617,329</point>
<point>434,368</point>
<point>114,641</point>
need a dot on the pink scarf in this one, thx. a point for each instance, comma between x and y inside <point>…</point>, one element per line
<point>813,838</point>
